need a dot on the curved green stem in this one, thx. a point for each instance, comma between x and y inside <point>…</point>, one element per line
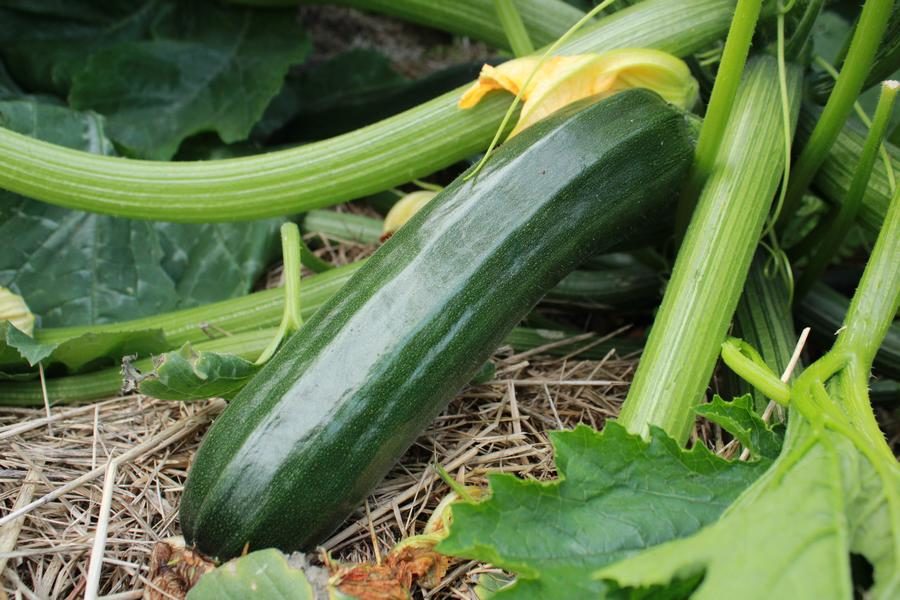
<point>877,299</point>
<point>735,354</point>
<point>872,23</point>
<point>253,311</point>
<point>544,20</point>
<point>249,345</point>
<point>292,318</point>
<point>389,153</point>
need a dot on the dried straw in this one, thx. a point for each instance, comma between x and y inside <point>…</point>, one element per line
<point>121,512</point>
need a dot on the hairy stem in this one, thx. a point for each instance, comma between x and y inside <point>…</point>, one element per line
<point>721,102</point>
<point>714,259</point>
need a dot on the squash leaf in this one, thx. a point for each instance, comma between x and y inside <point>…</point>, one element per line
<point>790,534</point>
<point>211,68</point>
<point>616,494</point>
<point>78,351</point>
<point>264,574</point>
<point>738,418</point>
<point>186,67</point>
<point>75,268</point>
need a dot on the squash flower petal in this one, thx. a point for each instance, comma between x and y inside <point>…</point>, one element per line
<point>14,310</point>
<point>562,80</point>
<point>403,211</point>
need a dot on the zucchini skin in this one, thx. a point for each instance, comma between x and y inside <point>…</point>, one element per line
<point>300,447</point>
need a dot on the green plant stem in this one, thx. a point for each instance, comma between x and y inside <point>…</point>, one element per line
<point>886,63</point>
<point>872,311</point>
<point>108,382</point>
<point>545,20</point>
<point>374,158</point>
<point>253,311</point>
<point>875,304</point>
<point>833,232</point>
<point>617,287</point>
<point>713,261</point>
<point>292,318</point>
<point>802,31</point>
<point>861,114</point>
<point>513,27</point>
<point>836,174</point>
<point>872,23</point>
<point>343,226</point>
<point>721,103</point>
<point>759,376</point>
<point>824,309</point>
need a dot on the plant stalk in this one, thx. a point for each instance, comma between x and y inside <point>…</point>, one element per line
<point>721,103</point>
<point>545,20</point>
<point>513,27</point>
<point>833,232</point>
<point>874,306</point>
<point>713,261</point>
<point>249,344</point>
<point>868,33</point>
<point>292,318</point>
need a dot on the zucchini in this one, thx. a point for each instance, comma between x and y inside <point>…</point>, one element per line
<point>302,444</point>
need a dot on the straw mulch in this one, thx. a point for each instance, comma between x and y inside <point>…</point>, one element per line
<point>498,426</point>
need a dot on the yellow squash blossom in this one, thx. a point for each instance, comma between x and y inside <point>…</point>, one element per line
<point>562,80</point>
<point>14,310</point>
<point>403,211</point>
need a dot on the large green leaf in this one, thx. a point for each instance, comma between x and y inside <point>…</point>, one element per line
<point>89,349</point>
<point>791,533</point>
<point>263,574</point>
<point>45,44</point>
<point>359,72</point>
<point>159,70</point>
<point>616,495</point>
<point>79,268</point>
<point>206,67</point>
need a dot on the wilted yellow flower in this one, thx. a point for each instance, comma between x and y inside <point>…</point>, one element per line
<point>403,211</point>
<point>562,80</point>
<point>14,310</point>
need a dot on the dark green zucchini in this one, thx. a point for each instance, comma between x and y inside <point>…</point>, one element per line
<point>300,447</point>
